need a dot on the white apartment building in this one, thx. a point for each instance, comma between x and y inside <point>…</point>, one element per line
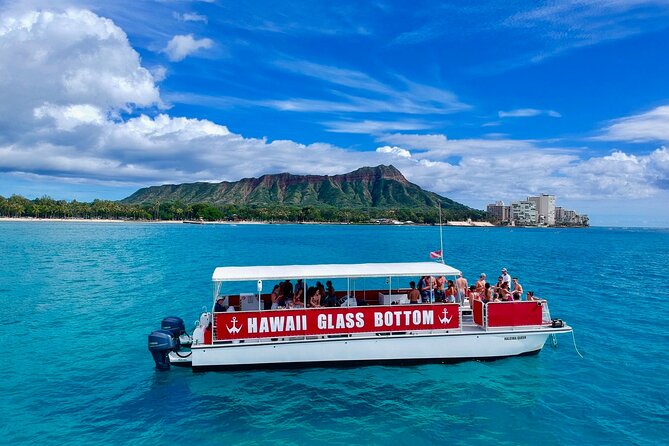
<point>524,213</point>
<point>545,207</point>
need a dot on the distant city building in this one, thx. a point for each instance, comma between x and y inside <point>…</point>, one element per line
<point>499,212</point>
<point>539,210</point>
<point>524,213</point>
<point>545,205</point>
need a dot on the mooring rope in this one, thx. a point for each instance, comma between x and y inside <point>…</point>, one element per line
<point>575,348</point>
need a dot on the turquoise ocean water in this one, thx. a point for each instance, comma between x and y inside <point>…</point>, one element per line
<point>78,301</point>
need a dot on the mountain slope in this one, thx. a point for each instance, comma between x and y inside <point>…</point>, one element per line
<point>381,187</point>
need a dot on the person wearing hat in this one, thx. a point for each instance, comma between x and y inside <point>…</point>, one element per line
<point>506,278</point>
<point>220,305</point>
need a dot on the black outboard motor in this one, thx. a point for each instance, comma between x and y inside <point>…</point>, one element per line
<point>161,343</point>
<point>174,325</point>
<point>166,340</point>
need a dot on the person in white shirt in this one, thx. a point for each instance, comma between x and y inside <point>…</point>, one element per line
<point>506,277</point>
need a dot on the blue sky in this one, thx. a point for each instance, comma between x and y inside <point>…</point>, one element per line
<point>478,102</point>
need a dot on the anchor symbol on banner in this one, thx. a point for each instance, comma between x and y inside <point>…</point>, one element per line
<point>445,319</point>
<point>234,329</point>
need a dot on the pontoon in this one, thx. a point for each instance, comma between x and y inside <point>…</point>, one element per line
<point>373,324</point>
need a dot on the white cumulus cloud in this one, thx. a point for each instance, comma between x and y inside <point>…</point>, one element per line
<point>394,150</point>
<point>182,46</point>
<point>68,65</point>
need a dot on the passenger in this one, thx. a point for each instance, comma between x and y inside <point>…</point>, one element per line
<point>314,297</point>
<point>298,301</point>
<point>320,288</point>
<point>504,294</point>
<point>451,292</point>
<point>461,286</point>
<point>498,286</point>
<point>473,295</point>
<point>330,299</point>
<point>531,297</point>
<point>517,292</point>
<point>287,290</point>
<point>425,288</point>
<point>506,277</point>
<point>277,297</point>
<point>488,294</point>
<point>299,286</point>
<point>220,305</point>
<point>414,294</point>
<point>480,284</point>
<point>439,289</point>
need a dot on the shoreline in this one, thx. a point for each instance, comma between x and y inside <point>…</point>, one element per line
<point>459,224</point>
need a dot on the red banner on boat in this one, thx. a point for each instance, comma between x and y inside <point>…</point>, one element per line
<point>327,321</point>
<point>514,314</point>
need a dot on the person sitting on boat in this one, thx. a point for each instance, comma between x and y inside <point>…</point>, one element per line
<point>439,289</point>
<point>314,297</point>
<point>298,298</point>
<point>517,292</point>
<point>414,294</point>
<point>504,295</point>
<point>220,306</point>
<point>532,298</point>
<point>276,297</point>
<point>330,299</point>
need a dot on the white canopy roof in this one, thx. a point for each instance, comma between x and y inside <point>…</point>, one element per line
<point>331,271</point>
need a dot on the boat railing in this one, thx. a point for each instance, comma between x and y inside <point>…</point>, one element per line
<point>510,314</point>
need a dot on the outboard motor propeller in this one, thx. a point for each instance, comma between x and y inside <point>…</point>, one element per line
<point>161,343</point>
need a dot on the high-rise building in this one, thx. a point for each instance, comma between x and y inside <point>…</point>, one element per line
<point>498,211</point>
<point>559,214</point>
<point>524,213</point>
<point>545,206</point>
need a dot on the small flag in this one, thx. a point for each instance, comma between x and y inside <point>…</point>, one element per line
<point>435,254</point>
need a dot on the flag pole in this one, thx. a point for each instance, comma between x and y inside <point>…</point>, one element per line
<point>441,234</point>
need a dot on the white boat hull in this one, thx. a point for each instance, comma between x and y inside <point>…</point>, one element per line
<point>409,348</point>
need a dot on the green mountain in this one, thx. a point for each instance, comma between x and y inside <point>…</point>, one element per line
<point>381,187</point>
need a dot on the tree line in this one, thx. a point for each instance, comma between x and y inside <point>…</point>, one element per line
<point>47,207</point>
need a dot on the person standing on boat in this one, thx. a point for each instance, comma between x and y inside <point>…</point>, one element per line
<point>299,286</point>
<point>480,284</point>
<point>330,297</point>
<point>414,294</point>
<point>461,286</point>
<point>439,290</point>
<point>425,288</point>
<point>506,277</point>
